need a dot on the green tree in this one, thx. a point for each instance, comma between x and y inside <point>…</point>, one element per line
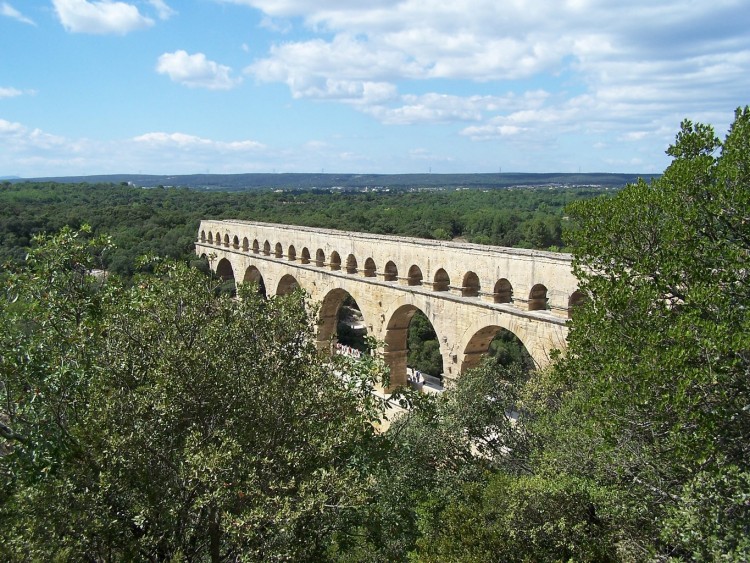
<point>161,422</point>
<point>654,388</point>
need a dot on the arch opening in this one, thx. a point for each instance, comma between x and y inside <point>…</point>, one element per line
<point>390,273</point>
<point>217,239</point>
<point>278,251</point>
<point>351,264</point>
<point>538,298</point>
<point>245,244</point>
<point>341,325</point>
<point>470,285</point>
<point>287,284</point>
<point>500,344</point>
<point>236,242</point>
<point>503,292</point>
<point>226,240</point>
<point>335,261</point>
<point>267,248</point>
<point>225,273</point>
<point>254,277</point>
<point>320,258</point>
<point>291,254</point>
<point>576,300</point>
<point>370,269</point>
<point>442,281</point>
<point>412,348</point>
<point>256,246</point>
<point>203,236</point>
<point>414,276</point>
<point>305,256</point>
<point>210,238</point>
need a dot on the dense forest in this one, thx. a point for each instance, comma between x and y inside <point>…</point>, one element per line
<point>129,434</point>
<point>165,221</point>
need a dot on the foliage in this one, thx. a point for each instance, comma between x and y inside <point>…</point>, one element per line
<point>161,422</point>
<point>164,221</point>
<point>655,383</point>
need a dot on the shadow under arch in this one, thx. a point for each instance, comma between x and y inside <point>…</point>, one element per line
<point>287,284</point>
<point>253,276</point>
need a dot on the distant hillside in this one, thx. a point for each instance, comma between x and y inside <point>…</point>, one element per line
<point>354,181</point>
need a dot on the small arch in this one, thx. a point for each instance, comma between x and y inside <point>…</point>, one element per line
<point>335,261</point>
<point>503,292</point>
<point>256,246</point>
<point>203,236</point>
<point>538,298</point>
<point>470,285</point>
<point>442,281</point>
<point>267,248</point>
<point>226,240</point>
<point>414,276</point>
<point>320,258</point>
<point>236,242</point>
<point>217,240</point>
<point>210,237</point>
<point>245,244</point>
<point>305,256</point>
<point>278,251</point>
<point>287,285</point>
<point>291,253</point>
<point>576,299</point>
<point>390,273</point>
<point>253,276</point>
<point>351,264</point>
<point>370,268</point>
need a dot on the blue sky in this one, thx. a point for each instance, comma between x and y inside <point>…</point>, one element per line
<point>389,86</point>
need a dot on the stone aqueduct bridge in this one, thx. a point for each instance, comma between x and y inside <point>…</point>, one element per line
<point>468,292</point>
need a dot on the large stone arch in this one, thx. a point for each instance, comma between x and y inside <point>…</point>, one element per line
<point>224,269</point>
<point>287,284</point>
<point>475,341</point>
<point>253,275</point>
<point>395,336</point>
<point>479,344</point>
<point>328,316</point>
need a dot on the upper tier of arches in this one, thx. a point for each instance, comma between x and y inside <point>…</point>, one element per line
<point>529,280</point>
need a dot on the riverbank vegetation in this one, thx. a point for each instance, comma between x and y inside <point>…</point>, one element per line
<point>156,420</point>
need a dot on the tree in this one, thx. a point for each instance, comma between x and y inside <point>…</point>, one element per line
<point>654,389</point>
<point>162,422</point>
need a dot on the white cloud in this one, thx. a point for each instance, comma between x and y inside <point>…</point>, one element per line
<point>164,12</point>
<point>9,92</point>
<point>196,71</point>
<point>189,142</point>
<point>9,11</point>
<point>633,67</point>
<point>102,17</point>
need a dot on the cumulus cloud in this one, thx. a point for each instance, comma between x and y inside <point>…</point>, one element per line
<point>632,67</point>
<point>196,71</point>
<point>9,11</point>
<point>102,18</point>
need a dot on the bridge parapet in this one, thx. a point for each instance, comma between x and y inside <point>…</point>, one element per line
<point>529,280</point>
